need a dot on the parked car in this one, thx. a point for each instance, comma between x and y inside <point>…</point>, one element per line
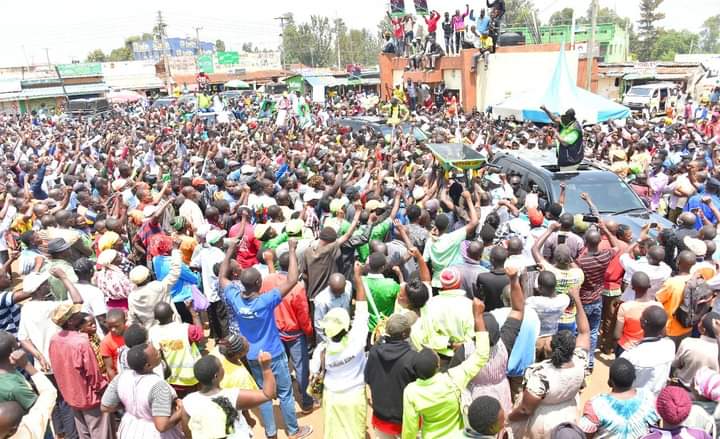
<point>379,127</point>
<point>163,102</point>
<point>611,195</point>
<point>656,98</point>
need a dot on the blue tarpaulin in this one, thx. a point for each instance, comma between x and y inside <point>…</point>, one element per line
<point>561,94</point>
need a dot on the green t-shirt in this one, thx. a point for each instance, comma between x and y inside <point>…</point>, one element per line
<point>275,242</point>
<point>444,252</point>
<point>14,387</point>
<point>384,291</point>
<point>378,233</point>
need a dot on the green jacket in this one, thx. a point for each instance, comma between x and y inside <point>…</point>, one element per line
<point>437,400</point>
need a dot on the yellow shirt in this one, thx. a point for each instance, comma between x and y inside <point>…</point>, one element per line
<point>236,376</point>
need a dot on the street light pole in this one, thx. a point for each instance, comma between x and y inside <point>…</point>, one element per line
<point>591,44</point>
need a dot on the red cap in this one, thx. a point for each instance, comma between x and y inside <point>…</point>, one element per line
<point>198,181</point>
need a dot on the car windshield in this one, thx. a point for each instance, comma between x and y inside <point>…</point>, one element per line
<point>640,91</point>
<point>608,193</point>
<point>417,132</point>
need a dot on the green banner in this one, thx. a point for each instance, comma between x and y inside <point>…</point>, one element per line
<point>228,57</point>
<point>205,63</point>
<point>84,69</point>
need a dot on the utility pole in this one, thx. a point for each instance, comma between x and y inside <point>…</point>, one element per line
<point>337,39</point>
<point>197,39</point>
<point>162,37</point>
<point>283,18</point>
<point>47,56</point>
<point>591,44</point>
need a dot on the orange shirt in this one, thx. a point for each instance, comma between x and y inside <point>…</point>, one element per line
<point>629,313</point>
<point>670,296</point>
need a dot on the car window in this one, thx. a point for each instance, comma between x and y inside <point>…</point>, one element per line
<point>608,193</point>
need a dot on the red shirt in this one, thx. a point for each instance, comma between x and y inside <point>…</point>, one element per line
<point>432,22</point>
<point>78,376</point>
<point>293,314</point>
<point>615,271</point>
<point>247,249</point>
<point>109,347</point>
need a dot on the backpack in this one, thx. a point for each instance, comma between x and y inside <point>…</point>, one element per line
<point>697,296</point>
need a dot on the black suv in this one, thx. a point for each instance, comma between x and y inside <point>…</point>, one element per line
<point>610,194</point>
<point>378,126</point>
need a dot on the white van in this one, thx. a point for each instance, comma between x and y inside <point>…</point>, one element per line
<point>654,98</point>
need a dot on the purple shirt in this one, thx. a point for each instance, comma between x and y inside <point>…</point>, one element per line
<point>677,433</point>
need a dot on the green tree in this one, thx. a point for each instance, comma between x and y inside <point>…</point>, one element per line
<point>96,55</point>
<point>220,45</point>
<point>648,33</point>
<point>671,42</point>
<point>561,17</point>
<point>710,35</point>
<point>517,11</point>
<point>608,15</point>
<point>121,54</point>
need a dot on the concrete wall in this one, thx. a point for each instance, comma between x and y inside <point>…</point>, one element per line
<point>517,72</point>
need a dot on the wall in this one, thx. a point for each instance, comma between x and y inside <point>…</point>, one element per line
<point>516,72</point>
<point>606,87</point>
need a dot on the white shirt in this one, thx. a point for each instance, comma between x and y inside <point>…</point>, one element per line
<point>192,213</point>
<point>205,260</point>
<point>36,325</point>
<point>345,361</point>
<point>652,361</point>
<point>658,274</point>
<point>5,225</point>
<point>93,303</point>
<point>256,201</point>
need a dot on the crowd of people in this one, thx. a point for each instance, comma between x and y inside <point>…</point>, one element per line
<point>169,276</point>
<point>482,33</point>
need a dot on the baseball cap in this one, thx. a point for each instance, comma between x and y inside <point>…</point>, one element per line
<point>374,205</point>
<point>294,227</point>
<point>335,321</point>
<point>213,236</point>
<point>397,325</point>
<point>260,230</point>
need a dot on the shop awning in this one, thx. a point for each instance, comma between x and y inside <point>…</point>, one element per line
<point>51,92</point>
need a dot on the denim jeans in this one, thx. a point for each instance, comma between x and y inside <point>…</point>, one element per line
<point>594,316</point>
<point>279,366</point>
<point>297,350</point>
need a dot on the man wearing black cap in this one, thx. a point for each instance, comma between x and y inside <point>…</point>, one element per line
<point>61,257</point>
<point>388,370</point>
<point>569,142</point>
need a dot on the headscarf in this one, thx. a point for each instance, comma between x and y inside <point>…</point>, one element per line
<point>160,245</point>
<point>108,240</point>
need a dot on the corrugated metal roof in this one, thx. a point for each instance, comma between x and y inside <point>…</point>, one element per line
<point>50,92</point>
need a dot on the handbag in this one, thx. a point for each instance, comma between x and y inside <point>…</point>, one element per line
<point>200,302</point>
<point>316,386</point>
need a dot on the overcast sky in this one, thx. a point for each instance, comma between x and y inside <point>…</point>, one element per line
<point>71,29</point>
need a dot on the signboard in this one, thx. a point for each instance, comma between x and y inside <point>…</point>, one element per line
<point>397,8</point>
<point>83,69</point>
<point>421,7</point>
<point>228,57</point>
<point>205,63</point>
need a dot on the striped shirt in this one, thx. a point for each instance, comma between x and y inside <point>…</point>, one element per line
<point>9,313</point>
<point>594,267</point>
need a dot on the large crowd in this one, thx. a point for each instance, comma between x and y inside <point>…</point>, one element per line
<point>167,274</point>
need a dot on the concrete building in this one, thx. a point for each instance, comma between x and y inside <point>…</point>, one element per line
<point>615,79</point>
<point>510,69</point>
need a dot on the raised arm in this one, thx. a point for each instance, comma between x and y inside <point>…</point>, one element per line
<point>538,245</point>
<point>586,198</point>
<point>472,225</point>
<point>248,399</point>
<point>517,297</point>
<point>353,225</point>
<point>292,277</point>
<point>69,285</point>
<point>553,118</point>
<point>583,326</point>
